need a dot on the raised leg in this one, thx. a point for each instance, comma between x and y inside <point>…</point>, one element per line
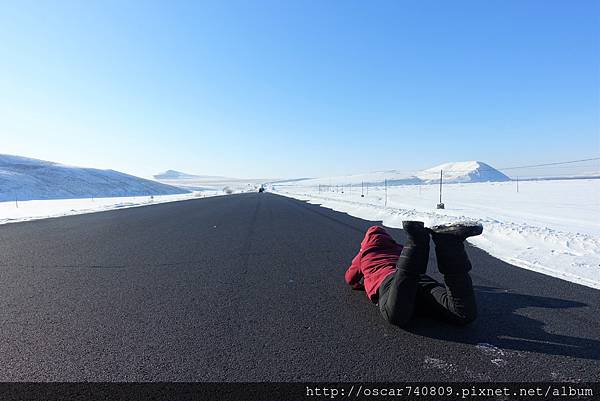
<point>456,301</point>
<point>398,292</point>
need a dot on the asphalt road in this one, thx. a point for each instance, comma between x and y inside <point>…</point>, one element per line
<point>250,288</point>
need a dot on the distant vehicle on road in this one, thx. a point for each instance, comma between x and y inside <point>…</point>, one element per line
<point>261,189</point>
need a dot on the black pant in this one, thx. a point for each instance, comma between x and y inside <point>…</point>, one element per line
<point>404,294</point>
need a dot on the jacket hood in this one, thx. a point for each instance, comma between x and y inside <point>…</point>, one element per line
<point>377,236</point>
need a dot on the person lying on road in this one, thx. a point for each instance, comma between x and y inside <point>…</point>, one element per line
<point>393,275</point>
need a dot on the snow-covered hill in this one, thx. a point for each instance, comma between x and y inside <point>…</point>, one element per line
<point>470,171</point>
<point>23,178</point>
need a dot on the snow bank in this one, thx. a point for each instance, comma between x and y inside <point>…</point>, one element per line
<point>552,227</point>
<point>12,212</point>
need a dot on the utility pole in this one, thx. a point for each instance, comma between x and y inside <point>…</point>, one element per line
<point>441,205</point>
<point>362,189</point>
<point>517,184</point>
<point>16,202</point>
<point>441,179</point>
<point>385,183</point>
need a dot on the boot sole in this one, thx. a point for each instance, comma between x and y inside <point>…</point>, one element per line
<point>462,229</point>
<point>408,224</point>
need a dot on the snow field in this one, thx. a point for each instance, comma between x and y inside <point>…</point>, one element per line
<point>552,227</point>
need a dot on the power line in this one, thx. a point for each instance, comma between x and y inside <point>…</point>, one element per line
<point>522,167</point>
<point>551,164</point>
<point>436,169</point>
<point>432,171</point>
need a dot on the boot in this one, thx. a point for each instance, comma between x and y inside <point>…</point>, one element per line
<point>449,246</point>
<point>415,253</point>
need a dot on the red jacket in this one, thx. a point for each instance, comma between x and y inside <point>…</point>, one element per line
<point>374,262</point>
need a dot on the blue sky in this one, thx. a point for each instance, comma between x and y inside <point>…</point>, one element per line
<point>299,88</point>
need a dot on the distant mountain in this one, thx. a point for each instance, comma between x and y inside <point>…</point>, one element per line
<point>23,178</point>
<point>171,175</point>
<point>178,175</point>
<point>209,182</point>
<point>471,171</point>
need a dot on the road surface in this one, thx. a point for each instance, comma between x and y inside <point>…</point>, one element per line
<point>250,288</point>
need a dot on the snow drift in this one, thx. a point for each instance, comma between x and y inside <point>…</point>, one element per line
<point>27,179</point>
